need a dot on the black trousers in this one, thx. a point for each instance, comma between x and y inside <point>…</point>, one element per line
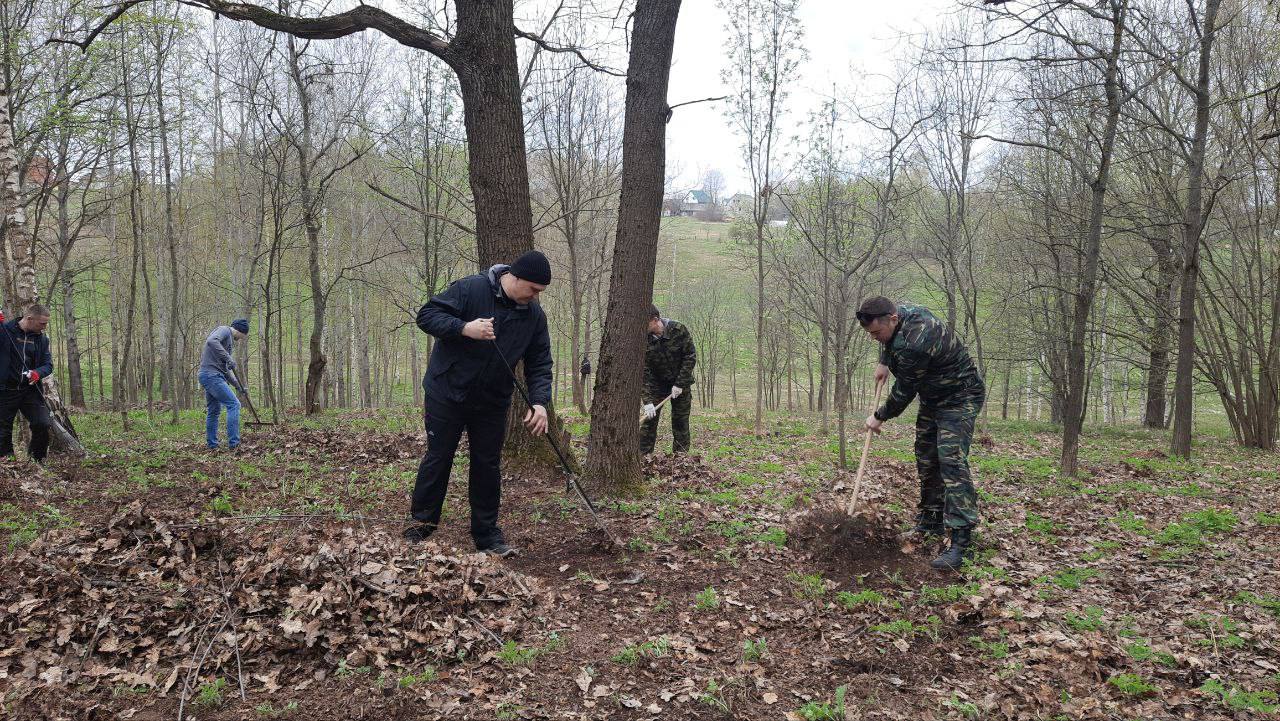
<point>486,428</point>
<point>28,400</point>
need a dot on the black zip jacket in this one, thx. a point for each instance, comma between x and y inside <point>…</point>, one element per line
<point>22,351</point>
<point>465,370</point>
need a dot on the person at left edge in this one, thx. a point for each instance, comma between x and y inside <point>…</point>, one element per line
<point>25,361</point>
<point>468,387</point>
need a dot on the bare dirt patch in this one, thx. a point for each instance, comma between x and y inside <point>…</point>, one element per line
<point>848,549</point>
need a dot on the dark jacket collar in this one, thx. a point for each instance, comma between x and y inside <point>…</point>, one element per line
<point>495,284</point>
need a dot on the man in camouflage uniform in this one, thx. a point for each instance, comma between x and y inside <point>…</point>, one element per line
<point>668,369</point>
<point>928,360</point>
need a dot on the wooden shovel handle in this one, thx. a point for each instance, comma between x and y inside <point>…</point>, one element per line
<point>862,463</point>
<point>656,405</point>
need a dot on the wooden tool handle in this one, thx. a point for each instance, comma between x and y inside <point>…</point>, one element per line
<point>862,463</point>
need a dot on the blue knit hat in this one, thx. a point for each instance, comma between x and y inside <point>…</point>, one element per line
<point>241,325</point>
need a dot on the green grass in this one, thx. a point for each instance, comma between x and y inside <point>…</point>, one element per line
<point>210,694</point>
<point>1090,621</point>
<point>1132,684</point>
<point>1266,601</point>
<point>707,599</point>
<point>1072,578</point>
<point>754,650</point>
<point>825,711</point>
<point>1222,631</point>
<point>906,628</point>
<point>220,505</point>
<point>966,709</point>
<point>996,649</point>
<point>1127,521</point>
<point>862,598</point>
<point>24,527</point>
<point>1140,650</point>
<point>427,675</point>
<point>632,653</point>
<point>267,710</point>
<point>775,536</point>
<point>1238,699</point>
<point>513,654</point>
<point>948,594</point>
<point>809,586</point>
<point>1044,528</point>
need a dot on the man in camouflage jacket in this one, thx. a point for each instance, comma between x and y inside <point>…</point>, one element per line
<point>929,361</point>
<point>668,369</point>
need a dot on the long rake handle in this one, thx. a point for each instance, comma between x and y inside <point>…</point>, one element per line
<point>243,392</point>
<point>571,481</point>
<point>862,463</point>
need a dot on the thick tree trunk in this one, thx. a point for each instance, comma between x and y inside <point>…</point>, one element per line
<point>1074,410</point>
<point>1192,225</point>
<point>1155,410</point>
<point>613,448</point>
<point>171,242</point>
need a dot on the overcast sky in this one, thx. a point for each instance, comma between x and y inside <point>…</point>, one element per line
<point>841,36</point>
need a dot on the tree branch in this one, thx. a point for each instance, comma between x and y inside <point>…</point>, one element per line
<point>424,213</point>
<point>540,42</point>
<point>691,102</point>
<point>323,27</point>
<point>97,30</point>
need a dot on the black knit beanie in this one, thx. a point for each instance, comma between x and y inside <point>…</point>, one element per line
<point>533,267</point>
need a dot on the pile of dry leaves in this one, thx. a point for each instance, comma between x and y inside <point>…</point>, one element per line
<point>141,602</point>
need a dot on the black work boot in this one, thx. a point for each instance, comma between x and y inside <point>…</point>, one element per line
<point>419,533</point>
<point>929,522</point>
<point>953,557</point>
<point>499,549</point>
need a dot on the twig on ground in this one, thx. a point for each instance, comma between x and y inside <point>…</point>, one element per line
<point>231,615</point>
<point>186,682</point>
<point>484,628</point>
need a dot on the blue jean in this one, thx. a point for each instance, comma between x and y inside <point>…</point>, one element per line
<point>218,393</point>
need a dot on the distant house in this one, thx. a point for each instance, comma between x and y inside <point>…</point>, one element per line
<point>39,171</point>
<point>739,206</point>
<point>695,203</point>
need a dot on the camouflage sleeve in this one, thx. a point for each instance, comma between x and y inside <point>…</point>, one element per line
<point>906,382</point>
<point>688,359</point>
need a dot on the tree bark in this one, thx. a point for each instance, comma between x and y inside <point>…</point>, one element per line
<point>1192,226</point>
<point>1074,410</point>
<point>613,447</point>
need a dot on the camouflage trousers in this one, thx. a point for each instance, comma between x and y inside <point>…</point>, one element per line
<point>680,409</point>
<point>943,436</point>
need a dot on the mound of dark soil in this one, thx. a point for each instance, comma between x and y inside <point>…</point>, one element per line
<point>847,548</point>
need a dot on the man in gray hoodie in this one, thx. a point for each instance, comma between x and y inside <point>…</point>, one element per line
<point>216,376</point>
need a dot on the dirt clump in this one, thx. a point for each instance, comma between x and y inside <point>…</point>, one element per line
<point>847,548</point>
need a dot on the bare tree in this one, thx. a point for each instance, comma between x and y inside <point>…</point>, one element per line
<point>1206,29</point>
<point>765,50</point>
<point>1091,37</point>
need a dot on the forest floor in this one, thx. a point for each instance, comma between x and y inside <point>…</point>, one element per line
<point>158,580</point>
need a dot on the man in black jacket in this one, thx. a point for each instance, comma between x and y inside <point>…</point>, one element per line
<point>482,323</point>
<point>24,362</point>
